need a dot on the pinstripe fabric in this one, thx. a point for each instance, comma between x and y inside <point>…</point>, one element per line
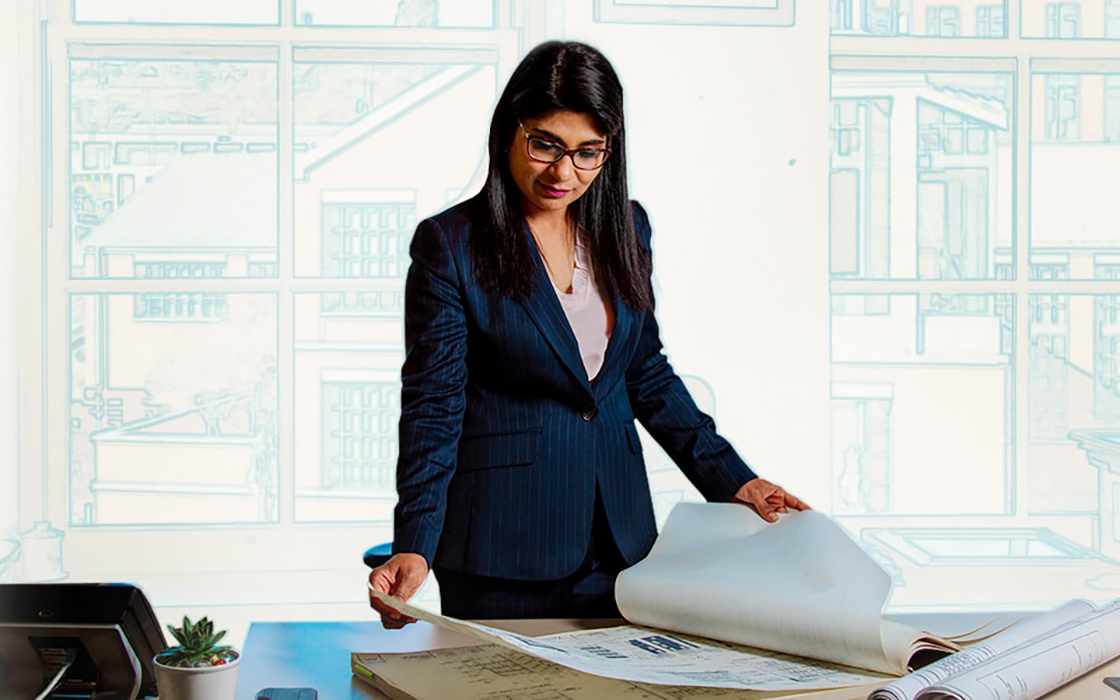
<point>503,439</point>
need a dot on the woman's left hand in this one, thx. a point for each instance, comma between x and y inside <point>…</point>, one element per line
<point>768,499</point>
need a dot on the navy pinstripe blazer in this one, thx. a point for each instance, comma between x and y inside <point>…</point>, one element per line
<point>502,437</point>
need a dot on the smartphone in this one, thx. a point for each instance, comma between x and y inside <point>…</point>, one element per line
<point>287,694</point>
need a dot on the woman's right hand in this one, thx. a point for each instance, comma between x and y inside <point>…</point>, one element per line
<point>399,577</point>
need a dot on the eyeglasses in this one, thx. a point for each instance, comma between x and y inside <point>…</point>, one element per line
<point>545,151</point>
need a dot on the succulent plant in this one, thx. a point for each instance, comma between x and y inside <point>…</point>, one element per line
<point>198,646</point>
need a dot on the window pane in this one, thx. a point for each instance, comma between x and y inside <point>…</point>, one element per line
<point>407,13</point>
<point>1071,20</point>
<point>919,400</point>
<point>1075,175</point>
<point>895,18</point>
<point>359,186</point>
<point>178,12</point>
<point>173,169</point>
<point>173,408</point>
<point>921,176</point>
<point>923,397</point>
<point>347,402</point>
<point>1073,390</point>
<point>368,238</point>
<point>1074,408</point>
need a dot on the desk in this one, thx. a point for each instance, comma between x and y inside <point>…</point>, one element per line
<point>317,654</point>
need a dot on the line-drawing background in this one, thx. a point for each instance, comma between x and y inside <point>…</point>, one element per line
<point>886,253</point>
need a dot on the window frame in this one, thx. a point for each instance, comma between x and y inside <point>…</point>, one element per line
<point>1023,57</point>
<point>44,452</point>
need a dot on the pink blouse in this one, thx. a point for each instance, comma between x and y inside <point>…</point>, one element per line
<point>591,319</point>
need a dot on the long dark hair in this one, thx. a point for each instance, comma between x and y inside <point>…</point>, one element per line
<point>561,76</point>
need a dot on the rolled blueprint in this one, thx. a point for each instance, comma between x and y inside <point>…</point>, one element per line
<point>1039,665</point>
<point>910,686</point>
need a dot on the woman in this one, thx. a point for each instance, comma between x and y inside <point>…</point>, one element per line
<point>531,347</point>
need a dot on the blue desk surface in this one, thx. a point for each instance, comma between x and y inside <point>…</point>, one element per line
<point>317,654</point>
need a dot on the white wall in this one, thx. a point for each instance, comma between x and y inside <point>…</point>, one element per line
<point>730,157</point>
<point>11,236</point>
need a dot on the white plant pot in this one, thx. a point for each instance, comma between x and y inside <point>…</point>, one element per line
<point>205,683</point>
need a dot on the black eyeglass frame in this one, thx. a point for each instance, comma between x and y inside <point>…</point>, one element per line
<point>563,151</point>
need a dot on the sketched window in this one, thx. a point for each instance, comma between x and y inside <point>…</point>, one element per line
<point>367,239</point>
<point>193,166</point>
<point>1107,361</point>
<point>842,18</point>
<point>1063,20</point>
<point>1112,108</point>
<point>1062,115</point>
<point>990,21</point>
<point>242,12</point>
<point>173,173</point>
<point>358,190</point>
<point>943,21</point>
<point>884,17</point>
<point>229,237</point>
<point>409,13</point>
<point>180,306</point>
<point>980,223</point>
<point>360,435</point>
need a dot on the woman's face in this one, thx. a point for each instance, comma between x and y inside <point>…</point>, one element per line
<point>551,187</point>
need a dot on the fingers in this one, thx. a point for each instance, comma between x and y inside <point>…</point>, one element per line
<point>796,503</point>
<point>400,577</point>
<point>760,504</point>
<point>758,494</point>
<point>768,512</point>
<point>395,623</point>
<point>391,618</point>
<point>768,500</point>
<point>379,581</point>
<point>382,607</point>
<point>781,501</point>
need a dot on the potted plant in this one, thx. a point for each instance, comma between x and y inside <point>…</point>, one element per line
<point>197,669</point>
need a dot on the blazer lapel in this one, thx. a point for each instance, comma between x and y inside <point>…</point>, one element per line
<point>545,310</point>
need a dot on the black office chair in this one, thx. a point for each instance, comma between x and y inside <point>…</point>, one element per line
<point>378,554</point>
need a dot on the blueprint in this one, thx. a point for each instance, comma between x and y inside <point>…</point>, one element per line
<point>799,586</point>
<point>491,672</point>
<point>641,654</point>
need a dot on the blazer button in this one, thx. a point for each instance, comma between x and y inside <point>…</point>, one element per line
<point>589,414</point>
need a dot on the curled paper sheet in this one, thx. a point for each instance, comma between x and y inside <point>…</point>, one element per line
<point>800,586</point>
